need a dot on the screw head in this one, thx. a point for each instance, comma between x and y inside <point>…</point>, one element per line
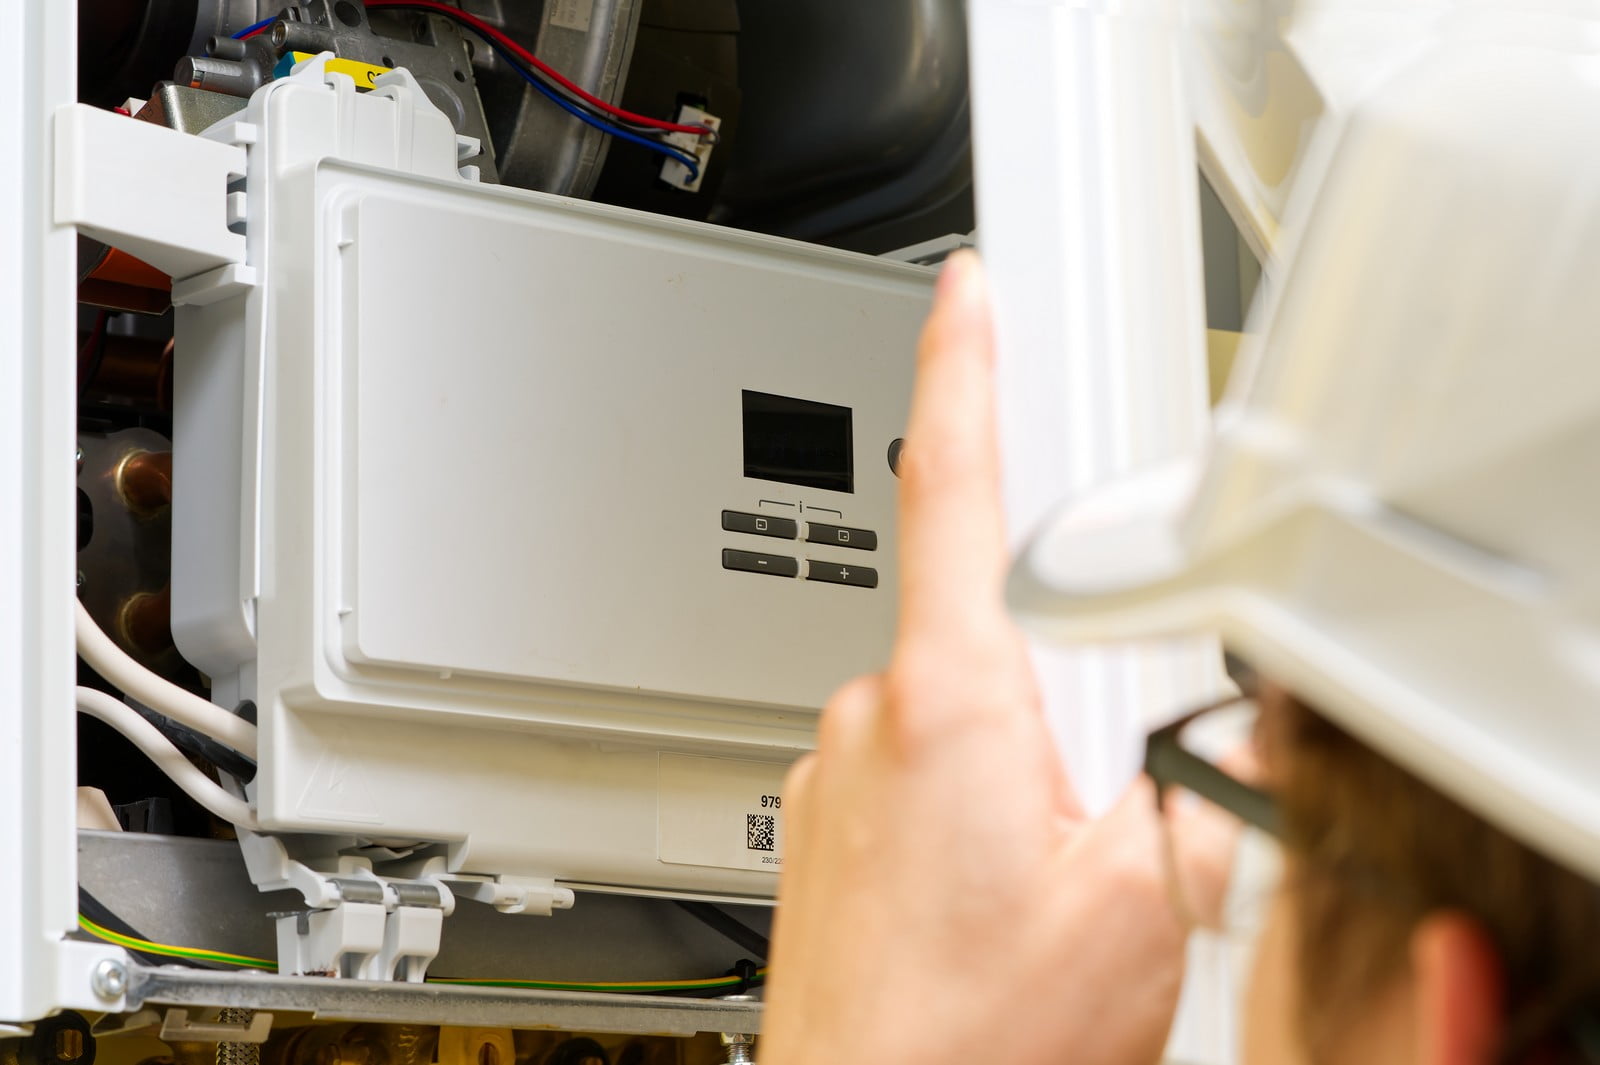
<point>110,979</point>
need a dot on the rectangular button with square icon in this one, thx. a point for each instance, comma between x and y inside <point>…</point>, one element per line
<point>760,524</point>
<point>839,536</point>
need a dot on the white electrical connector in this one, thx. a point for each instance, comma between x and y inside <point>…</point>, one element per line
<point>675,173</point>
<point>171,761</point>
<point>161,695</point>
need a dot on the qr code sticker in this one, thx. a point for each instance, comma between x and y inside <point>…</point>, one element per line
<point>761,831</point>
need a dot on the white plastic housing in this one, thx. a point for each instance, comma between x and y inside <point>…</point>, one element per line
<point>481,586</point>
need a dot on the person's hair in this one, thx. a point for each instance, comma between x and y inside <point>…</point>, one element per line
<point>1373,850</point>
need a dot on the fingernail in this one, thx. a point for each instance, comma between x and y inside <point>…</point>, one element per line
<point>955,276</point>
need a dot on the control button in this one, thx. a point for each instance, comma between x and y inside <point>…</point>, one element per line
<point>751,562</point>
<point>760,524</point>
<point>835,573</point>
<point>897,450</point>
<point>839,536</point>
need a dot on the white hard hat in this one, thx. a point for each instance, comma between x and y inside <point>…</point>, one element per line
<point>1399,516</point>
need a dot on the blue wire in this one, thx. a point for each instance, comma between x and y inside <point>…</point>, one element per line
<point>248,30</point>
<point>689,161</point>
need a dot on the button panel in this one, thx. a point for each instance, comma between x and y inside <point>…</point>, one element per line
<point>760,524</point>
<point>754,562</point>
<point>840,536</point>
<point>841,573</point>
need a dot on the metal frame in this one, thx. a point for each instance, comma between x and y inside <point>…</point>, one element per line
<point>358,1000</point>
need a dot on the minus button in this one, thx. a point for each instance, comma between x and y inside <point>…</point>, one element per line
<point>755,562</point>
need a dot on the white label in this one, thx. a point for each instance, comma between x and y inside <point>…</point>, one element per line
<point>721,813</point>
<point>572,14</point>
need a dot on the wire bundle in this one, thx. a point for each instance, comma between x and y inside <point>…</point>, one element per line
<point>252,30</point>
<point>166,756</point>
<point>553,85</point>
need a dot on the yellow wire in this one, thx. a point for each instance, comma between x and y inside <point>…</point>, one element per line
<point>626,986</point>
<point>170,950</point>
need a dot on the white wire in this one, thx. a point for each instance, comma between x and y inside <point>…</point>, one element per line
<point>171,761</point>
<point>161,695</point>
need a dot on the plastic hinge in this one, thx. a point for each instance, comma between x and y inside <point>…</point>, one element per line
<point>357,924</point>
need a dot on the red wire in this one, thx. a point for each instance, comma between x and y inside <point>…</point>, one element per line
<point>534,61</point>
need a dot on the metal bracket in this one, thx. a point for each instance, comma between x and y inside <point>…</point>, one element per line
<point>177,1027</point>
<point>441,1004</point>
<point>143,1022</point>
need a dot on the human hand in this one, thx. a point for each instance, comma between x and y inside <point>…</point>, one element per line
<point>943,898</point>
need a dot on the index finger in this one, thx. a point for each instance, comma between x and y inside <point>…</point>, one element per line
<point>952,532</point>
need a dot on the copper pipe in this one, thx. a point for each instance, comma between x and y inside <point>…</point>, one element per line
<point>144,481</point>
<point>117,281</point>
<point>132,368</point>
<point>145,621</point>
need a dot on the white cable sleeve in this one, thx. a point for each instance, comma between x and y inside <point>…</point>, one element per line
<point>171,761</point>
<point>162,696</point>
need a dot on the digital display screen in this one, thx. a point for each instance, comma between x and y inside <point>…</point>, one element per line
<point>798,442</point>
